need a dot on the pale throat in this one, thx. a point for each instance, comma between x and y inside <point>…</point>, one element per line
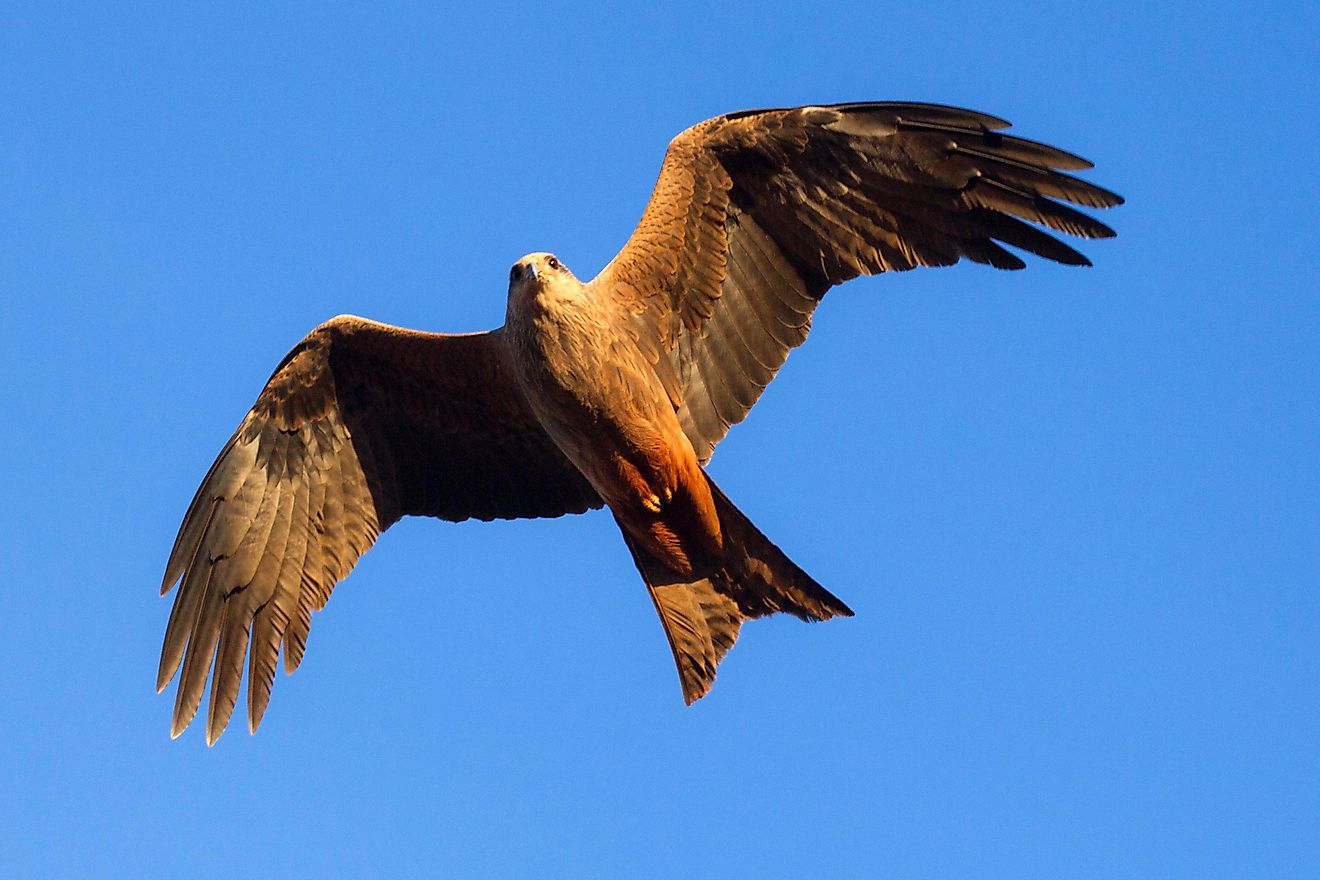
<point>555,300</point>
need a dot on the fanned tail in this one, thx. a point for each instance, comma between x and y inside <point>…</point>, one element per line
<point>702,615</point>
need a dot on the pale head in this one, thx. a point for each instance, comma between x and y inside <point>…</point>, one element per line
<point>540,281</point>
<point>537,269</point>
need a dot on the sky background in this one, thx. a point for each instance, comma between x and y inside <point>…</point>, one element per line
<point>1075,510</point>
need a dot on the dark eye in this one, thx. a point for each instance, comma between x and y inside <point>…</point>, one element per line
<point>553,263</point>
<point>515,273</point>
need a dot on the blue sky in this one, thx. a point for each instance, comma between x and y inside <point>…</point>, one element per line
<point>1075,511</point>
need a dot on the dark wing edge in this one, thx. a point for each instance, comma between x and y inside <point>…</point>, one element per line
<point>757,214</point>
<point>359,425</point>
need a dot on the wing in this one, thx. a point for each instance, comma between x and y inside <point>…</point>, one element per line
<point>361,424</point>
<point>757,214</point>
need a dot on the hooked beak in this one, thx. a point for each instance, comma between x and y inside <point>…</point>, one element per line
<point>533,271</point>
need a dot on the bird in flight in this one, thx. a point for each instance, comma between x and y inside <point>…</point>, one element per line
<point>613,392</point>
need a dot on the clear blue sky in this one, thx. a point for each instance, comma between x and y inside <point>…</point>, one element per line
<point>1075,511</point>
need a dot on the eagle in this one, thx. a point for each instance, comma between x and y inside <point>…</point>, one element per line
<point>608,393</point>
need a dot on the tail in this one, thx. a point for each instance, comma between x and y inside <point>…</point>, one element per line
<point>702,615</point>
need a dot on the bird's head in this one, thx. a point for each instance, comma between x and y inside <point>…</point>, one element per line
<point>539,282</point>
<point>537,271</point>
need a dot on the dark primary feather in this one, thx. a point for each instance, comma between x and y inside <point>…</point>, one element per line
<point>360,424</point>
<point>756,214</point>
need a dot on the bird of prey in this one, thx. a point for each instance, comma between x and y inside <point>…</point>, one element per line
<point>613,392</point>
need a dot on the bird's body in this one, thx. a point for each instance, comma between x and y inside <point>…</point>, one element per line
<point>610,393</point>
<point>599,398</point>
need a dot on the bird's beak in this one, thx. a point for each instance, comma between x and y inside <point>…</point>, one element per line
<point>534,271</point>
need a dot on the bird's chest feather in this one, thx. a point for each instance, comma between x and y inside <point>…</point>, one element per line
<point>593,390</point>
<point>562,347</point>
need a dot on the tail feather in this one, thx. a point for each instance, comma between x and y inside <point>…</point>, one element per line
<point>702,615</point>
<point>765,580</point>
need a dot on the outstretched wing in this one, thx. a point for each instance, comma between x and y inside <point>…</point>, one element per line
<point>361,424</point>
<point>757,214</point>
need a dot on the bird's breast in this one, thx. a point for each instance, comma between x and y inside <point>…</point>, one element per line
<point>597,396</point>
<point>558,344</point>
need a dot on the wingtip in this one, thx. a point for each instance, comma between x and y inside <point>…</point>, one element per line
<point>215,728</point>
<point>164,675</point>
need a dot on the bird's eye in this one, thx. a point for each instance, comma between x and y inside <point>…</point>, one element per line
<point>515,273</point>
<point>553,263</point>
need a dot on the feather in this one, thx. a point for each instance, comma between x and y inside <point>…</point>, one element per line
<point>310,479</point>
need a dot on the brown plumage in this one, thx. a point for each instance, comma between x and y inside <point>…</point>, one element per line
<point>612,392</point>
